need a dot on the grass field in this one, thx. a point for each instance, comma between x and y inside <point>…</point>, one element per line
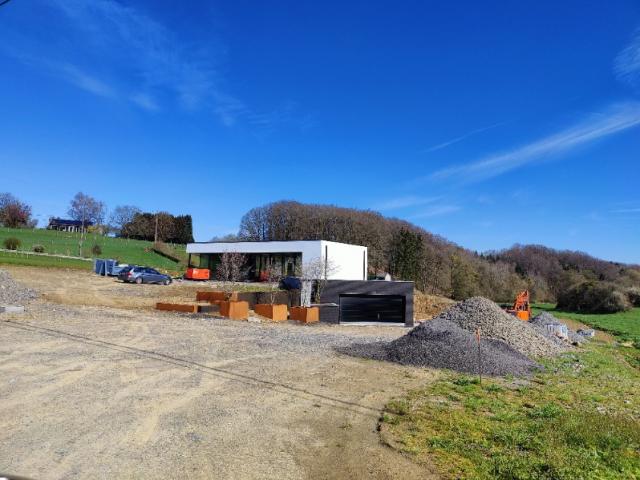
<point>626,325</point>
<point>578,419</point>
<point>66,243</point>
<point>19,258</point>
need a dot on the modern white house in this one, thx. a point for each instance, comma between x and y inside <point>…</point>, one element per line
<point>348,262</point>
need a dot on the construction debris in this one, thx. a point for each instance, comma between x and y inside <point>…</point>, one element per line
<point>553,328</point>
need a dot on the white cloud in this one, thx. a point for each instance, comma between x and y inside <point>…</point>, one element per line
<point>146,101</point>
<point>83,80</point>
<point>448,143</point>
<point>144,52</point>
<point>438,210</point>
<point>615,119</point>
<point>627,63</point>
<point>118,51</point>
<point>404,202</point>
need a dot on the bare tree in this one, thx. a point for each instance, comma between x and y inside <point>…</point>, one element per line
<point>229,270</point>
<point>318,270</point>
<point>273,277</point>
<point>86,209</point>
<point>122,215</point>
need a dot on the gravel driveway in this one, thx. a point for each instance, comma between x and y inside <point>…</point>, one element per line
<point>101,392</point>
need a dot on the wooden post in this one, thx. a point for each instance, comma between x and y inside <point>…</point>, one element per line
<point>479,355</point>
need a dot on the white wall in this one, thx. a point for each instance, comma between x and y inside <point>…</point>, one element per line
<point>348,259</point>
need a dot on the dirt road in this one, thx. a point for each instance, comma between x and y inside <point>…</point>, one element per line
<point>103,392</point>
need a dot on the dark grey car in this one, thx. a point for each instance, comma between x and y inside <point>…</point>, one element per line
<point>143,275</point>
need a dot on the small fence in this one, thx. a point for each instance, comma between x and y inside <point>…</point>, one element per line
<point>38,254</point>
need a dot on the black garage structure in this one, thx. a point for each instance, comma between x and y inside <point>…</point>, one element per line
<point>384,302</point>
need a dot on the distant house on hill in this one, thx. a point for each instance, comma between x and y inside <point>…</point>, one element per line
<point>65,225</point>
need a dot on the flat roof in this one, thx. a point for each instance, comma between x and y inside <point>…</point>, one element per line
<point>273,246</point>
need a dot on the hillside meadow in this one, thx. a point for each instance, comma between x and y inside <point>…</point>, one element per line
<point>137,252</point>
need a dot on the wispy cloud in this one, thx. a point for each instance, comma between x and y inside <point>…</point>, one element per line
<point>146,101</point>
<point>615,119</point>
<point>627,63</point>
<point>627,210</point>
<point>404,202</point>
<point>117,51</point>
<point>448,143</point>
<point>438,210</point>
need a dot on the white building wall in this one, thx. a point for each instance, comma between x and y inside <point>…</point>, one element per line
<point>350,261</point>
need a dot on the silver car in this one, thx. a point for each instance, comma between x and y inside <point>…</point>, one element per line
<point>143,275</point>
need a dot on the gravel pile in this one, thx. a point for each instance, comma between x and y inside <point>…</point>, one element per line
<point>540,322</point>
<point>507,344</point>
<point>479,312</point>
<point>440,343</point>
<point>12,293</point>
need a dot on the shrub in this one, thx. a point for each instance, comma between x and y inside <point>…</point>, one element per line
<point>593,297</point>
<point>96,249</point>
<point>12,243</point>
<point>634,296</point>
<point>38,248</point>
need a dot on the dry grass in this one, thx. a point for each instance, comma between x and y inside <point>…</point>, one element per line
<point>427,306</point>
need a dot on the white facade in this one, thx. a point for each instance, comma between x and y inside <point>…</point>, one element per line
<point>349,262</point>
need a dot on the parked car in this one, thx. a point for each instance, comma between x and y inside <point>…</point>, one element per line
<point>139,275</point>
<point>115,271</point>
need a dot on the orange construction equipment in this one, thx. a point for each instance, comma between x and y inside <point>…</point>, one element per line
<point>521,307</point>
<point>197,274</point>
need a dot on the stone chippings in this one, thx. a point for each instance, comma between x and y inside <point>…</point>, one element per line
<point>12,293</point>
<point>507,344</point>
<point>479,312</point>
<point>443,344</point>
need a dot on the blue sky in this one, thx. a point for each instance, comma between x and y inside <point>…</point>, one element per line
<point>489,123</point>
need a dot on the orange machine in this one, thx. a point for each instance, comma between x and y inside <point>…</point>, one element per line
<point>521,307</point>
<point>197,274</point>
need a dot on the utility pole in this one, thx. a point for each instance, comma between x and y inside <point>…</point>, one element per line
<point>155,238</point>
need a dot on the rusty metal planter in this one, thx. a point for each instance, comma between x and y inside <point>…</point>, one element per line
<point>276,312</point>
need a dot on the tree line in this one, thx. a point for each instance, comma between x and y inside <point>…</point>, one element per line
<point>436,265</point>
<point>125,221</point>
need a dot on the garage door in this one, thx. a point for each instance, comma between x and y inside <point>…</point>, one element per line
<point>372,308</point>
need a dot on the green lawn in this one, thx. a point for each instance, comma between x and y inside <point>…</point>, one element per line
<point>623,324</point>
<point>66,243</point>
<point>42,261</point>
<point>578,419</point>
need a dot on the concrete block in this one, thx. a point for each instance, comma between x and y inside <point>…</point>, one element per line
<point>11,309</point>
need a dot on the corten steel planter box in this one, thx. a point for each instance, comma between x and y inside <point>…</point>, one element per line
<point>214,296</point>
<point>305,314</point>
<point>176,307</point>
<point>234,310</point>
<point>277,313</point>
